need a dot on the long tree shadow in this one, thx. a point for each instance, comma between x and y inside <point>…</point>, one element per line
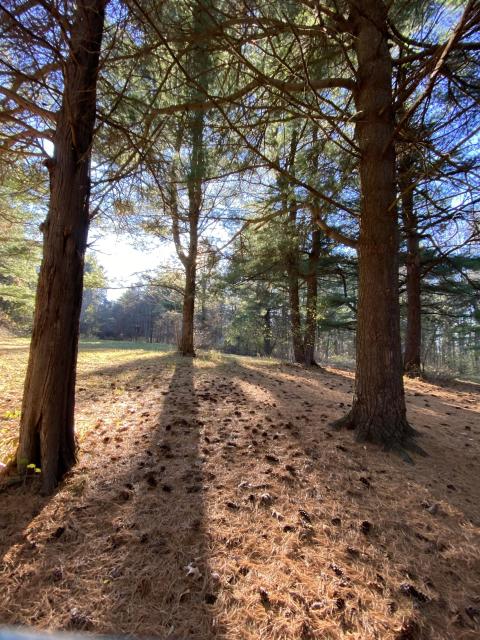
<point>290,419</point>
<point>21,503</point>
<point>161,584</point>
<point>123,546</point>
<point>193,501</point>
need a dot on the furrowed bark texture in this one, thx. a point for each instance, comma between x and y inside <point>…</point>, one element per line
<point>47,422</point>
<point>378,412</point>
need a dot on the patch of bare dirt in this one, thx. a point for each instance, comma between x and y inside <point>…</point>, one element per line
<point>211,500</point>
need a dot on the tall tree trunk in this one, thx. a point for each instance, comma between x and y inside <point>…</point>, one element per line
<point>194,186</point>
<point>267,333</point>
<point>47,422</point>
<point>187,347</point>
<point>378,412</point>
<point>312,294</point>
<point>295,316</point>
<point>199,67</point>
<point>413,337</point>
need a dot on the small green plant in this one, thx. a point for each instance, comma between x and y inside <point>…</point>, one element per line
<point>30,469</point>
<point>12,415</point>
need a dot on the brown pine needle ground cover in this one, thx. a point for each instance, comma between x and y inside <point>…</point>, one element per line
<point>211,500</point>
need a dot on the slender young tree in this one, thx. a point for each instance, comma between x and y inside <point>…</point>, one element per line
<point>292,258</point>
<point>189,258</point>
<point>312,297</point>
<point>191,155</point>
<point>303,334</point>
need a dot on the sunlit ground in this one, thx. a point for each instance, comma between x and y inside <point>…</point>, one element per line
<point>211,495</point>
<point>94,355</point>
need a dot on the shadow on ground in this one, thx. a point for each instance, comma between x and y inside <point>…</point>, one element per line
<point>212,497</point>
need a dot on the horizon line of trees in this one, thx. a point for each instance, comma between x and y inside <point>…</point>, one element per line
<point>252,317</point>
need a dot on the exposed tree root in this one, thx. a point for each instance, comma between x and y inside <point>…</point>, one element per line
<point>10,477</point>
<point>6,482</point>
<point>403,450</point>
<point>346,422</point>
<point>314,365</point>
<point>400,440</point>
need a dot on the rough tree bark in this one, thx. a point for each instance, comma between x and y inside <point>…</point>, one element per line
<point>413,336</point>
<point>47,422</point>
<point>378,411</point>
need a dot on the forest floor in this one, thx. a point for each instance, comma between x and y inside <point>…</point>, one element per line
<point>212,500</point>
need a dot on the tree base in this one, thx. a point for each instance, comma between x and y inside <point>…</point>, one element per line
<point>307,364</point>
<point>399,437</point>
<point>49,485</point>
<point>52,475</point>
<point>313,365</point>
<point>188,354</point>
<point>414,371</point>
